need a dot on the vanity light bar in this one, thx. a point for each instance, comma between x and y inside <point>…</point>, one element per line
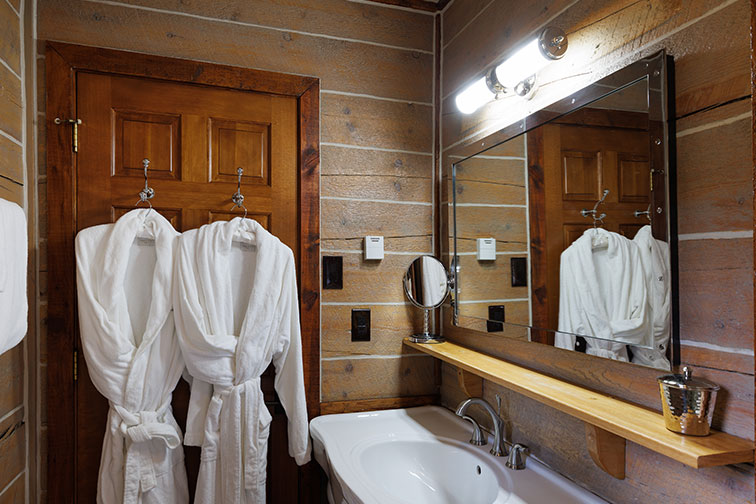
<point>519,68</point>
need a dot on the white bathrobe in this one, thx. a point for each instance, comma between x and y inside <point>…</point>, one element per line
<point>654,256</point>
<point>236,311</point>
<point>125,280</point>
<point>14,306</point>
<point>602,293</point>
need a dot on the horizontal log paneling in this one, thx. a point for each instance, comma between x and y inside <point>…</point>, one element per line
<point>717,305</point>
<point>11,161</point>
<point>12,447</point>
<point>352,379</point>
<point>341,65</point>
<point>506,224</point>
<point>370,281</point>
<point>516,312</point>
<point>335,18</point>
<point>11,191</point>
<point>707,202</point>
<point>377,187</point>
<point>15,494</point>
<point>10,27</point>
<point>389,325</point>
<point>11,104</point>
<point>334,407</point>
<point>489,193</point>
<point>349,161</point>
<point>11,379</point>
<point>459,14</point>
<point>366,122</point>
<point>355,219</point>
<point>508,331</point>
<point>488,279</point>
<point>411,244</point>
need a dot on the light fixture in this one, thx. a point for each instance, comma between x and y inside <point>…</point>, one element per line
<point>517,73</point>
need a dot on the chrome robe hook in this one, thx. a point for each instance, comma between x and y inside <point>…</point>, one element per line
<point>146,194</point>
<point>238,197</point>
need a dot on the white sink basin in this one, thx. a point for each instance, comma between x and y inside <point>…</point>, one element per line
<point>422,456</point>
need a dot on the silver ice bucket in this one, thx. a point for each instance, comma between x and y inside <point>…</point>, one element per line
<point>688,403</point>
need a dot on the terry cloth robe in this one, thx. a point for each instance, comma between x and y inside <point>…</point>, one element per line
<point>602,293</point>
<point>125,280</point>
<point>236,311</point>
<point>654,256</point>
<point>13,254</point>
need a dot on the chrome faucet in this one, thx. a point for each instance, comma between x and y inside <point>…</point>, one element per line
<point>499,448</point>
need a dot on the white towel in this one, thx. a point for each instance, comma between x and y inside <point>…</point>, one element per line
<point>14,304</point>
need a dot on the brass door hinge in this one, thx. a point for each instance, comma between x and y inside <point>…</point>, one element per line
<point>76,365</point>
<point>74,134</point>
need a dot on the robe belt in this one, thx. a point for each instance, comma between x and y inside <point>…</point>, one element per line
<point>140,428</point>
<point>243,418</point>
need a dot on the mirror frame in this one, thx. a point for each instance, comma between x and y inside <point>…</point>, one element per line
<point>658,69</point>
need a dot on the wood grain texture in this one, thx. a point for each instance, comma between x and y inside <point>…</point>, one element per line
<point>370,281</point>
<point>559,440</point>
<point>353,379</point>
<point>377,187</point>
<point>11,103</point>
<point>348,161</point>
<point>15,494</point>
<point>392,73</point>
<point>488,279</point>
<point>459,14</point>
<point>12,447</point>
<point>10,27</point>
<point>334,407</point>
<point>366,122</point>
<point>607,450</point>
<point>348,219</point>
<point>349,20</point>
<point>11,379</point>
<point>707,202</point>
<point>624,419</point>
<point>389,325</point>
<point>11,162</point>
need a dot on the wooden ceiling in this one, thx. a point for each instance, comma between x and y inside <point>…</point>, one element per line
<point>424,5</point>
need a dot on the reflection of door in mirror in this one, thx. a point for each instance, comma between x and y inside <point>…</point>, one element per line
<point>572,161</point>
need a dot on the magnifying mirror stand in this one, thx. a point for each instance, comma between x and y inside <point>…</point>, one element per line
<point>426,336</point>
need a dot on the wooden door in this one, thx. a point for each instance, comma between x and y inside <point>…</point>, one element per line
<point>578,163</point>
<point>195,138</point>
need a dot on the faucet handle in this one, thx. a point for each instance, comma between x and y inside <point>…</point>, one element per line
<point>478,439</point>
<point>516,459</point>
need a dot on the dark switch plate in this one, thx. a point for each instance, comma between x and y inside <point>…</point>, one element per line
<point>495,318</point>
<point>333,272</point>
<point>519,267</point>
<point>361,325</point>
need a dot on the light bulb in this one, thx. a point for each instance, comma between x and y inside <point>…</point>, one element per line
<point>474,96</point>
<point>521,65</point>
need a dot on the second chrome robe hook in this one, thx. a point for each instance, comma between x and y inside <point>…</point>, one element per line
<point>146,194</point>
<point>238,197</point>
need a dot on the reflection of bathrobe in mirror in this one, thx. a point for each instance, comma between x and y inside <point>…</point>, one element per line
<point>434,281</point>
<point>236,311</point>
<point>125,275</point>
<point>14,306</point>
<point>655,259</point>
<point>602,292</point>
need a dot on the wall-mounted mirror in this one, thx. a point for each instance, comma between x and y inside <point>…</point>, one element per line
<point>427,285</point>
<point>562,223</point>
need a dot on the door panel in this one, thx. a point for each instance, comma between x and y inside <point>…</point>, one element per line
<point>195,138</point>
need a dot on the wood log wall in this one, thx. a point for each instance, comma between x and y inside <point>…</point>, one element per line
<point>18,397</point>
<point>709,40</point>
<point>376,69</point>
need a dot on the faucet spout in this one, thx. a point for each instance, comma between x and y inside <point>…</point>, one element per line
<point>499,448</point>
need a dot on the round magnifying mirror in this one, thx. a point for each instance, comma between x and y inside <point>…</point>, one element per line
<point>426,284</point>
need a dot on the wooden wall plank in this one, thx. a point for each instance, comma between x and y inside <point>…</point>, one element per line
<point>349,161</point>
<point>12,191</point>
<point>418,245</point>
<point>506,224</point>
<point>341,65</point>
<point>389,325</point>
<point>10,27</point>
<point>352,379</point>
<point>376,123</point>
<point>336,18</point>
<point>377,187</point>
<point>11,103</point>
<point>707,202</point>
<point>370,281</point>
<point>11,161</point>
<point>355,219</point>
<point>488,280</point>
<point>459,14</point>
<point>12,447</point>
<point>717,305</point>
<point>11,379</point>
<point>15,494</point>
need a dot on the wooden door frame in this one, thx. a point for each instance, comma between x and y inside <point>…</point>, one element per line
<point>62,63</point>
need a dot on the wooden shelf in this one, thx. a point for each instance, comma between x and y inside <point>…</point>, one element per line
<point>609,417</point>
